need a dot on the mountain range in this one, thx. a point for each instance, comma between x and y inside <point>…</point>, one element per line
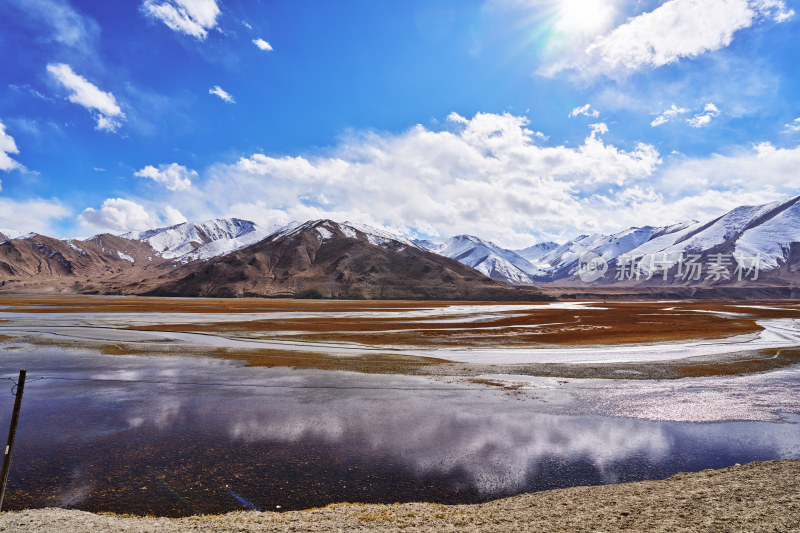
<point>485,257</point>
<point>189,241</point>
<point>237,258</point>
<point>748,246</point>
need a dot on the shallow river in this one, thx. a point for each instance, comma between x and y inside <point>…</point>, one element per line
<point>178,435</point>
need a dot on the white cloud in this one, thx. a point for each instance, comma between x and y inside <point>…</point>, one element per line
<point>674,30</point>
<point>678,28</point>
<point>794,126</point>
<point>174,177</point>
<point>668,114</point>
<point>118,214</point>
<point>598,129</point>
<point>263,45</point>
<point>699,120</point>
<point>586,111</point>
<point>458,119</point>
<point>7,146</point>
<point>701,188</point>
<point>703,119</point>
<point>774,9</point>
<point>101,104</point>
<point>62,24</point>
<point>484,175</point>
<point>192,17</point>
<point>34,214</point>
<point>759,166</point>
<point>172,216</point>
<point>27,89</point>
<point>219,91</point>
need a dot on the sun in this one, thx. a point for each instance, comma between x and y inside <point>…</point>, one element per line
<point>585,16</point>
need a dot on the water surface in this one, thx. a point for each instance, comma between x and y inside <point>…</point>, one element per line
<point>177,435</point>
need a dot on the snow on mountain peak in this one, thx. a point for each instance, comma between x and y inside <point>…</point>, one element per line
<point>535,252</point>
<point>377,236</point>
<point>190,241</point>
<point>485,257</point>
<point>767,230</point>
<point>327,229</point>
<point>563,261</point>
<point>772,239</point>
<point>9,234</point>
<point>763,230</point>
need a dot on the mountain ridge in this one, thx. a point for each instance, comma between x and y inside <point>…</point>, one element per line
<point>189,241</point>
<point>371,259</point>
<point>326,259</point>
<point>484,256</point>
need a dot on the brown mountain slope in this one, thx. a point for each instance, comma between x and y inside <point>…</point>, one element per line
<point>100,264</point>
<point>323,259</point>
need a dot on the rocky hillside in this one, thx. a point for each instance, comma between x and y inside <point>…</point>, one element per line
<point>325,259</point>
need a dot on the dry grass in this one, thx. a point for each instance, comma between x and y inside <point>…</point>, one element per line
<point>598,323</point>
<point>770,360</point>
<point>368,364</point>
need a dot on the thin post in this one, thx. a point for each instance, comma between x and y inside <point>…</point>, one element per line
<point>12,431</point>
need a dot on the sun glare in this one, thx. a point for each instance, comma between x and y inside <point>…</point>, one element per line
<point>585,16</point>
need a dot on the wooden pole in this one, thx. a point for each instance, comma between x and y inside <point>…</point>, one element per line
<point>12,431</point>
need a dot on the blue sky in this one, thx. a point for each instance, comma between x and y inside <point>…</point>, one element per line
<point>516,120</point>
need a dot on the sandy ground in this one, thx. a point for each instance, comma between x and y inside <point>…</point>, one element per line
<point>761,496</point>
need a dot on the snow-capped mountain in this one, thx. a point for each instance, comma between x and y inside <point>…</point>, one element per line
<point>563,261</point>
<point>485,257</point>
<point>535,252</point>
<point>770,231</point>
<point>764,235</point>
<point>327,259</point>
<point>327,229</point>
<point>767,230</point>
<point>568,253</point>
<point>773,237</point>
<point>345,259</point>
<point>8,234</point>
<point>191,241</point>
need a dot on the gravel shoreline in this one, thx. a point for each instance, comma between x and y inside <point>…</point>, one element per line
<point>760,496</point>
